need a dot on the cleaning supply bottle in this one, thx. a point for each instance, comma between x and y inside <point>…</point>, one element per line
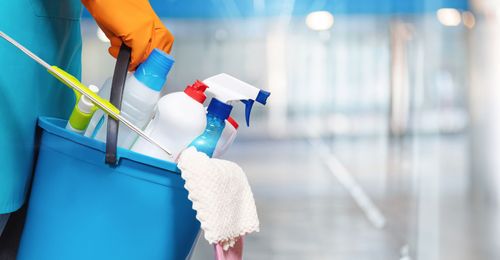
<point>226,89</point>
<point>227,137</point>
<point>179,118</point>
<point>217,113</point>
<point>141,93</point>
<point>82,113</point>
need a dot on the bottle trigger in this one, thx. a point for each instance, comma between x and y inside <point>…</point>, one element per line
<point>248,109</point>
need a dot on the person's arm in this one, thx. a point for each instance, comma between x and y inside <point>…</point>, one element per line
<point>132,22</point>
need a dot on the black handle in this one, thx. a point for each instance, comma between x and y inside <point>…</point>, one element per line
<point>117,86</point>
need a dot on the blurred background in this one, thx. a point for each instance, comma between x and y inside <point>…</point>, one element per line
<point>380,139</point>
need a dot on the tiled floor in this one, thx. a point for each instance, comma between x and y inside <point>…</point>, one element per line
<point>304,212</point>
<point>419,185</point>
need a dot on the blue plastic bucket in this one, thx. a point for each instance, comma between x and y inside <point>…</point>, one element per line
<point>81,208</point>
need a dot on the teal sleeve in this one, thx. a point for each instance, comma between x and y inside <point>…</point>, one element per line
<point>51,29</point>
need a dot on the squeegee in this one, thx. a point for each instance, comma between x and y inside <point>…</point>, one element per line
<point>80,89</point>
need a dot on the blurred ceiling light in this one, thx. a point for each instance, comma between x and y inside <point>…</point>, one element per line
<point>449,16</point>
<point>319,21</point>
<point>101,36</point>
<point>469,19</point>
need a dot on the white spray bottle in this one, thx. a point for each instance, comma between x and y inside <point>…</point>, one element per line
<point>226,89</point>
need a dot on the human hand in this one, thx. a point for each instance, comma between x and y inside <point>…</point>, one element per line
<point>132,22</point>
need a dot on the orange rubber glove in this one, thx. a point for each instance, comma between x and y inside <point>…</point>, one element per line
<point>132,22</point>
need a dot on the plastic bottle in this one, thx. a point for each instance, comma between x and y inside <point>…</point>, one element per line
<point>227,137</point>
<point>226,89</point>
<point>179,118</point>
<point>217,113</point>
<point>141,93</point>
<point>82,113</point>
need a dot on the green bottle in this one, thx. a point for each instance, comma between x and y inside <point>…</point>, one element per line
<point>82,113</point>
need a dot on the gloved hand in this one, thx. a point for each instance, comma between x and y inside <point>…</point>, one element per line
<point>132,22</point>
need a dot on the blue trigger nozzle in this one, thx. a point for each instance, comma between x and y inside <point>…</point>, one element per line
<point>262,96</point>
<point>248,109</point>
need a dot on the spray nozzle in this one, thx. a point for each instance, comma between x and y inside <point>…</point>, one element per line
<point>227,89</point>
<point>262,97</point>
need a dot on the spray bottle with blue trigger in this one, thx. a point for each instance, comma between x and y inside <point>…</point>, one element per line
<point>225,89</point>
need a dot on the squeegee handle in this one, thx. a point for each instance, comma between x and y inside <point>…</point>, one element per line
<point>81,89</point>
<point>103,104</point>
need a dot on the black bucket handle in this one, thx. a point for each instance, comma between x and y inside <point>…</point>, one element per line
<point>117,87</point>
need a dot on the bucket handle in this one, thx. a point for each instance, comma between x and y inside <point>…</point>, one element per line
<point>117,86</point>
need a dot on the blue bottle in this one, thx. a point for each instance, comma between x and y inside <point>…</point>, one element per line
<point>217,113</point>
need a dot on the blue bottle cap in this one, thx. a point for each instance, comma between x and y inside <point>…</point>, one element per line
<point>219,109</point>
<point>153,71</point>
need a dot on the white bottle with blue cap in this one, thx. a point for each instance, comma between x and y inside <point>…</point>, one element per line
<point>141,93</point>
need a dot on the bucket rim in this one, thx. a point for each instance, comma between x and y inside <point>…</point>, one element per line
<point>56,126</point>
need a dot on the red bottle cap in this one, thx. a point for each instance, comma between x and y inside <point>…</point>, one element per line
<point>233,122</point>
<point>197,91</point>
